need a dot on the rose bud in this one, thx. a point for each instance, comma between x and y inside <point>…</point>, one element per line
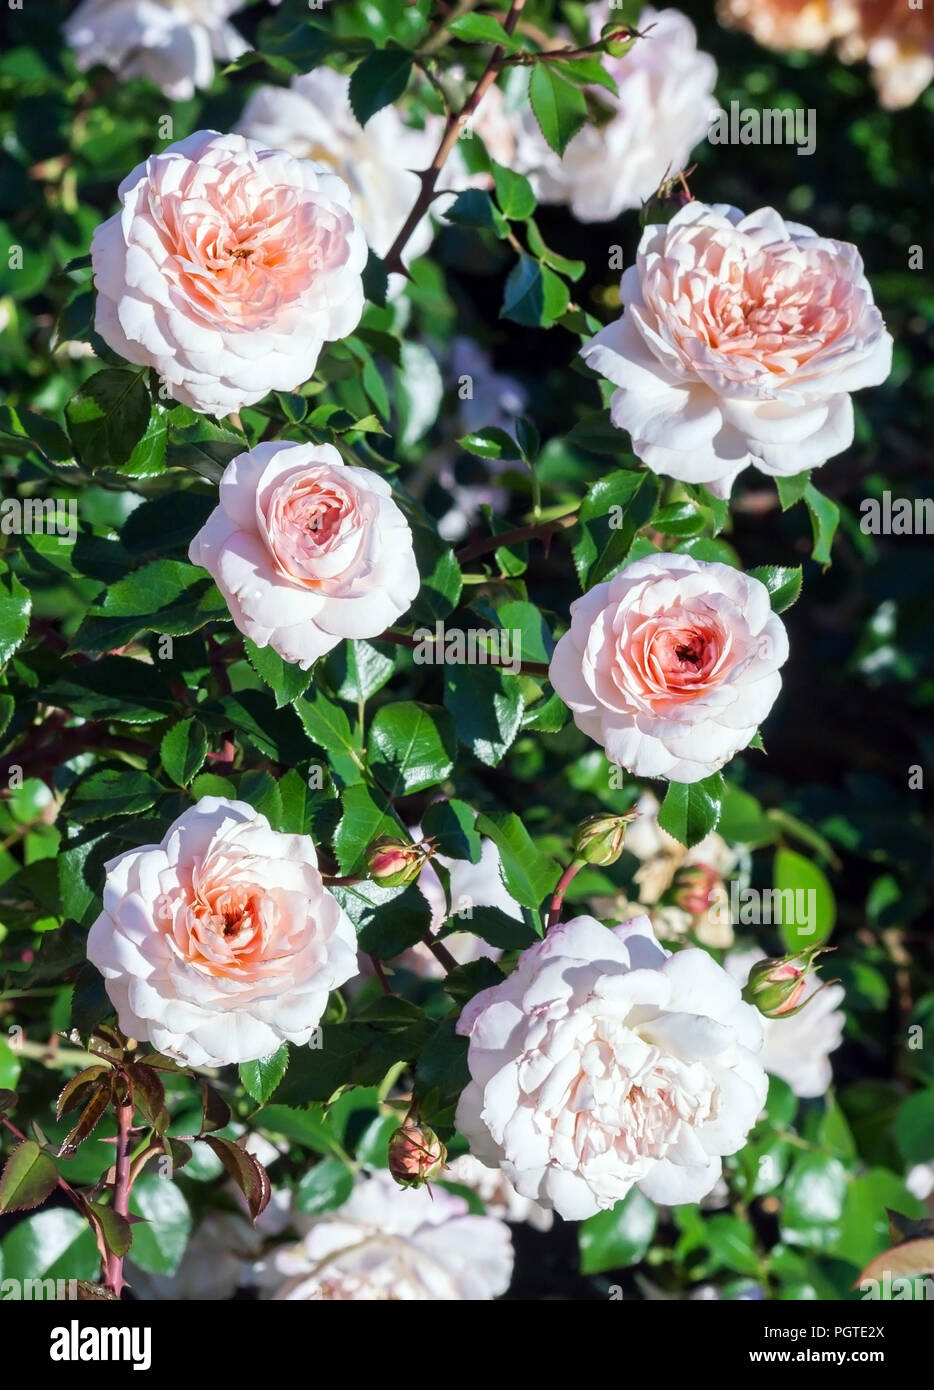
<point>599,839</point>
<point>775,986</point>
<point>393,863</point>
<point>693,888</point>
<point>416,1154</point>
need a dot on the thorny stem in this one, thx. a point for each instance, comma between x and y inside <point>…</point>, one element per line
<point>452,129</point>
<point>557,899</point>
<point>114,1279</point>
<point>534,531</point>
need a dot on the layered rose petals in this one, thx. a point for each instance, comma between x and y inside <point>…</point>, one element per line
<point>740,341</point>
<point>307,551</point>
<point>228,269</point>
<point>222,942</point>
<point>602,1062</point>
<point>672,665</point>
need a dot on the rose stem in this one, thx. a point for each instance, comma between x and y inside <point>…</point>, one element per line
<point>453,127</point>
<point>441,953</point>
<point>554,911</point>
<point>381,974</point>
<point>114,1279</point>
<point>537,529</point>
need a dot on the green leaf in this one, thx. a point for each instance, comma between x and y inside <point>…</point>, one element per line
<point>617,1238</point>
<point>513,193</point>
<point>615,508</point>
<point>327,725</point>
<point>812,1198</point>
<point>388,920</point>
<point>10,1066</point>
<point>825,515</point>
<point>453,825</point>
<point>486,706</point>
<point>381,78</point>
<point>159,1241</point>
<point>791,490</point>
<point>15,608</point>
<point>261,790</point>
<point>108,416</point>
<point>534,295</point>
<point>572,269</point>
<point>528,875</point>
<point>54,1244</point>
<point>914,1127</point>
<point>366,814</point>
<point>170,597</point>
<point>375,280</point>
<point>691,810</point>
<point>285,680</point>
<point>183,750</point>
<point>117,790</point>
<point>482,28</point>
<point>783,584</point>
<point>475,208</point>
<point>29,1176</point>
<point>559,107</point>
<point>743,821</point>
<point>441,577</point>
<point>492,925</point>
<point>807,895</point>
<point>325,1186</point>
<point>356,670</point>
<point>490,443</point>
<point>260,1078</point>
<point>411,746</point>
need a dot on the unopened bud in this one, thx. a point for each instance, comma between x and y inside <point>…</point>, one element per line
<point>416,1154</point>
<point>693,888</point>
<point>617,39</point>
<point>393,863</point>
<point>776,986</point>
<point>599,839</point>
<point>670,197</point>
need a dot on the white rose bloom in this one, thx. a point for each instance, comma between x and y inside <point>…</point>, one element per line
<point>173,43</point>
<point>664,107</point>
<point>798,1048</point>
<point>604,1062</point>
<point>221,942</point>
<point>401,1244</point>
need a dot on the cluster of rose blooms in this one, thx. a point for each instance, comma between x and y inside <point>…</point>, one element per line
<point>603,1061</point>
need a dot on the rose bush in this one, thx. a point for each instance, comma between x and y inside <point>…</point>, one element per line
<point>387,614</point>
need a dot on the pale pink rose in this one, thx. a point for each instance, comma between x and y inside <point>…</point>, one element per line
<point>307,550</point>
<point>380,162</point>
<point>643,135</point>
<point>741,340</point>
<point>222,942</point>
<point>391,1243</point>
<point>227,269</point>
<point>798,1048</point>
<point>604,1062</point>
<point>173,43</point>
<point>671,666</point>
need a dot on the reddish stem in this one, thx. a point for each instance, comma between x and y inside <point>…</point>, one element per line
<point>114,1279</point>
<point>441,953</point>
<point>535,530</point>
<point>380,974</point>
<point>557,899</point>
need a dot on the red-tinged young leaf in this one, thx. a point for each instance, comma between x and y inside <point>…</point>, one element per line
<point>75,1091</point>
<point>249,1174</point>
<point>96,1107</point>
<point>28,1178</point>
<point>112,1231</point>
<point>8,1100</point>
<point>148,1094</point>
<point>216,1111</point>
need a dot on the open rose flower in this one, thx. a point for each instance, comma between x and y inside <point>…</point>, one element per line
<point>740,341</point>
<point>665,96</point>
<point>672,665</point>
<point>391,1243</point>
<point>173,43</point>
<point>313,118</point>
<point>227,269</point>
<point>306,550</point>
<point>604,1062</point>
<point>222,942</point>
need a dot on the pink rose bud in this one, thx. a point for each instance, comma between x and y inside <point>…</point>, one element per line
<point>693,888</point>
<point>775,986</point>
<point>599,838</point>
<point>416,1154</point>
<point>394,863</point>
